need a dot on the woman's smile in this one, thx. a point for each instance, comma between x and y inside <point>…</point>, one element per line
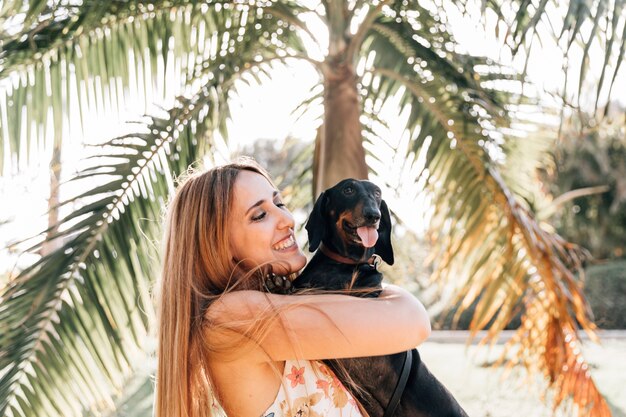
<point>286,244</point>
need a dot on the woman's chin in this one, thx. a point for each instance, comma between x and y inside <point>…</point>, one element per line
<point>301,262</point>
<point>288,266</point>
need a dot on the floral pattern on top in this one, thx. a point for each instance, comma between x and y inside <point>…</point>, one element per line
<point>311,389</point>
<point>296,376</point>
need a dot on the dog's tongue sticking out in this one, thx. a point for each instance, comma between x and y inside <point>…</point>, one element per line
<point>368,235</point>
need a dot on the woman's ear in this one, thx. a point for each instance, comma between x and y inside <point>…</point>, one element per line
<point>383,246</point>
<point>316,224</point>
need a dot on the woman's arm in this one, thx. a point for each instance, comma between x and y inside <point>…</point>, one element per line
<point>322,326</point>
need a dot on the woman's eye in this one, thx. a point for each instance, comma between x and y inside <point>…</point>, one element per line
<point>258,217</point>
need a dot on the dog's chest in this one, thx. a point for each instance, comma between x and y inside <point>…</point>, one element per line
<point>324,273</point>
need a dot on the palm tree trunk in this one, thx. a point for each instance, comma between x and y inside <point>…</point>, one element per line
<point>339,150</point>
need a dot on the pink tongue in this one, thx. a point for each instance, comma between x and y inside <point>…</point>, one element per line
<point>368,235</point>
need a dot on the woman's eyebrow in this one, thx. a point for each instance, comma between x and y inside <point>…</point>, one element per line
<point>258,203</point>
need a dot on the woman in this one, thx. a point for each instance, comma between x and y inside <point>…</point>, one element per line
<point>222,340</point>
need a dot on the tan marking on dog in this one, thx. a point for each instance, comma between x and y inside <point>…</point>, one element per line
<point>344,216</point>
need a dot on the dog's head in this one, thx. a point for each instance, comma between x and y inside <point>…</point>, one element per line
<point>352,219</point>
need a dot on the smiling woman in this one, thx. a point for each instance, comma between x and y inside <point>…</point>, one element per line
<point>223,340</point>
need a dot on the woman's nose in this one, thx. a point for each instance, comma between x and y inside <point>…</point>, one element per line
<point>286,219</point>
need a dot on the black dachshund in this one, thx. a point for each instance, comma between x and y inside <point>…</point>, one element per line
<point>351,226</point>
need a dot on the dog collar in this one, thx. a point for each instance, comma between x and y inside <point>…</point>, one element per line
<point>374,260</point>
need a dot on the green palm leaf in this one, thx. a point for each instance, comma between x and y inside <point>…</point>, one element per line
<point>608,30</point>
<point>108,54</point>
<point>81,314</point>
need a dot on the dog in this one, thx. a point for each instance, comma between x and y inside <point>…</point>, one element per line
<point>350,230</point>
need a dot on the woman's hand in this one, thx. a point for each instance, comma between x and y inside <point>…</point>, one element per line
<point>320,326</point>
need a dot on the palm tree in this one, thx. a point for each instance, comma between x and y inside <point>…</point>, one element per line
<point>74,324</point>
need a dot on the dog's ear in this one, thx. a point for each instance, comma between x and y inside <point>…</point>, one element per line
<point>315,225</point>
<point>383,245</point>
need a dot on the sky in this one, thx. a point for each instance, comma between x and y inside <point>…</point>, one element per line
<point>259,112</point>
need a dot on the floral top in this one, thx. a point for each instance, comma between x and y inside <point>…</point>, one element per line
<point>311,389</point>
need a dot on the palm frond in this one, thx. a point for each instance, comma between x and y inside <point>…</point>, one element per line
<point>145,53</point>
<point>50,30</point>
<point>526,147</point>
<point>606,19</point>
<point>487,245</point>
<point>502,253</point>
<point>75,321</point>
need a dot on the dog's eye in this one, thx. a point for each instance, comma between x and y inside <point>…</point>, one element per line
<point>348,191</point>
<point>377,193</point>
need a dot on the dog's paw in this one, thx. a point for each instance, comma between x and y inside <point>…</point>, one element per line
<point>277,284</point>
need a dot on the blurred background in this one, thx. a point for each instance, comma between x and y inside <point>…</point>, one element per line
<point>496,130</point>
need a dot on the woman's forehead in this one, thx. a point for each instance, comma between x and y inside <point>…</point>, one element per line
<point>250,187</point>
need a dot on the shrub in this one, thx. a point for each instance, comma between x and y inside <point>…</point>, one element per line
<point>605,288</point>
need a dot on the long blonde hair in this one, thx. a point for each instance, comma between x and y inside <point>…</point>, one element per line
<point>197,268</point>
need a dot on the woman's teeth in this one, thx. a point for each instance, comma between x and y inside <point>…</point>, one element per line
<point>285,244</point>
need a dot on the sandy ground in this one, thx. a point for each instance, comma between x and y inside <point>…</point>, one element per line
<point>483,391</point>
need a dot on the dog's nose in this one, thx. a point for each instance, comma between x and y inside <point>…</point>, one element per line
<point>371,216</point>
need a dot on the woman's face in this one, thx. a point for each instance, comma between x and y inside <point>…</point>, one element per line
<point>261,227</point>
